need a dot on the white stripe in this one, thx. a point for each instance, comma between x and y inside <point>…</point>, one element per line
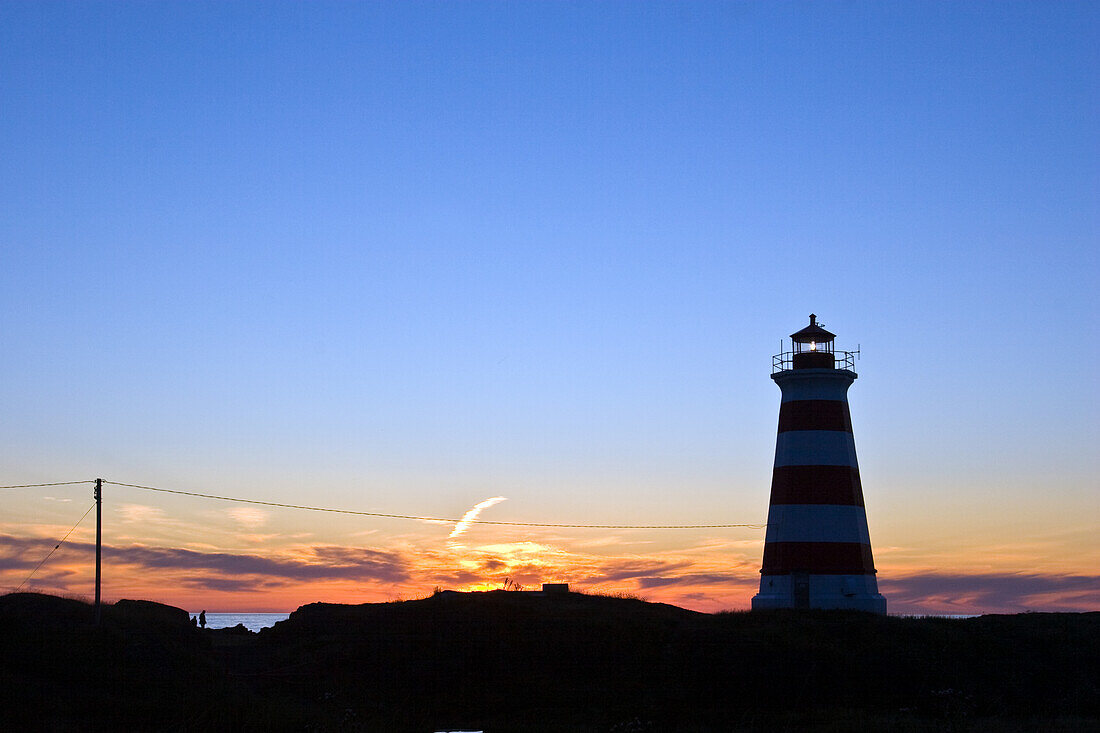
<point>855,592</point>
<point>823,384</point>
<point>815,448</point>
<point>817,523</point>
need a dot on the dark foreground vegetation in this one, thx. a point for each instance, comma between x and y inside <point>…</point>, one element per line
<point>510,661</point>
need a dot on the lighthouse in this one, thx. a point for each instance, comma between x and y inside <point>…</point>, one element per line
<point>817,549</point>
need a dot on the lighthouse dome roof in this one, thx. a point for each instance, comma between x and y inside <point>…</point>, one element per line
<point>812,333</point>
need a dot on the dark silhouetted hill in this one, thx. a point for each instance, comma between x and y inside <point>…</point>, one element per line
<point>512,661</point>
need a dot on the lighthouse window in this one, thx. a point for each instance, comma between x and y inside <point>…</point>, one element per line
<point>804,346</point>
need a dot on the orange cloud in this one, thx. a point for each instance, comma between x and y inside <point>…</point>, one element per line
<point>715,575</point>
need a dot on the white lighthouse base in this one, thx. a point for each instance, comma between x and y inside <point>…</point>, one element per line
<point>847,592</point>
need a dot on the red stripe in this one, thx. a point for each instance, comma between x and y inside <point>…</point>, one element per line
<point>815,415</point>
<point>838,485</point>
<point>822,558</point>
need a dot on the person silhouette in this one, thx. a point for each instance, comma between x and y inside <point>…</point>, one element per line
<point>202,618</point>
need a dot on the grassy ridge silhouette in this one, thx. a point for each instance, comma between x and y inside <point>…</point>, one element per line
<point>514,661</point>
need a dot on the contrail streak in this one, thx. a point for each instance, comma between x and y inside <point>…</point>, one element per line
<point>467,518</point>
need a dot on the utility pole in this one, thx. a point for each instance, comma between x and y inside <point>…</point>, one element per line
<point>98,541</point>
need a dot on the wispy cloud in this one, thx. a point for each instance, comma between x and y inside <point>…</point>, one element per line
<point>140,513</point>
<point>712,580</point>
<point>938,592</point>
<point>469,517</point>
<point>725,580</point>
<point>313,563</point>
<point>248,516</point>
<point>258,538</point>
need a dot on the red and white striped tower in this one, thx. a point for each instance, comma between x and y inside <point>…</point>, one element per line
<point>817,550</point>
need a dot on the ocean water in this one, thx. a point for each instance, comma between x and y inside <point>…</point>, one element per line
<point>251,621</point>
<point>257,621</point>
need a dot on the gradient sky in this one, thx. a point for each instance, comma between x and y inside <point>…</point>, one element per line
<point>408,257</point>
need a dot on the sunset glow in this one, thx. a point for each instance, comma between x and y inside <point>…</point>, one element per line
<point>236,558</point>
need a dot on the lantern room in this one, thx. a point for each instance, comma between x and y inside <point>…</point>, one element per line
<point>813,347</point>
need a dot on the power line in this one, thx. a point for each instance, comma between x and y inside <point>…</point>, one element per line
<point>391,516</point>
<point>56,483</point>
<point>433,519</point>
<point>61,542</point>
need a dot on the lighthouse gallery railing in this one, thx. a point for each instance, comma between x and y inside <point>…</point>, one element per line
<point>844,360</point>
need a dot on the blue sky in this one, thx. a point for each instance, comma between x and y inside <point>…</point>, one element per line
<point>405,257</point>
